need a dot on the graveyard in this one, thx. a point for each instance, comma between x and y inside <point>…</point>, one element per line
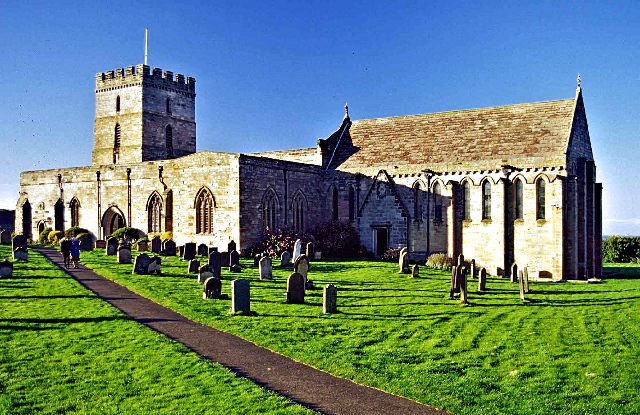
<point>563,349</point>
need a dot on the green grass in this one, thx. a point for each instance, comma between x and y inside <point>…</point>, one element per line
<point>62,350</point>
<point>571,348</point>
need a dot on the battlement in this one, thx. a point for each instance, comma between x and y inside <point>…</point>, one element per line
<point>122,77</point>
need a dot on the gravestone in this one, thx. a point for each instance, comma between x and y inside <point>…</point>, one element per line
<point>415,271</point>
<point>460,260</point>
<point>181,251</point>
<point>295,289</point>
<point>100,243</point>
<point>215,263</point>
<point>18,241</point>
<point>156,245</point>
<point>482,280</point>
<point>240,296</point>
<point>20,254</point>
<point>403,251</point>
<point>301,266</point>
<point>463,286</point>
<point>526,280</point>
<point>231,246</point>
<point>224,259</point>
<point>203,250</point>
<point>6,269</point>
<point>297,249</point>
<point>143,246</point>
<point>330,299</point>
<point>169,247</point>
<point>514,272</point>
<point>194,266</point>
<point>265,268</point>
<point>456,277</point>
<point>285,259</point>
<point>112,246</point>
<point>205,273</point>
<point>256,260</point>
<point>234,258</point>
<point>212,249</point>
<point>141,264</point>
<point>155,265</point>
<point>86,244</point>
<point>212,288</point>
<point>5,237</point>
<point>403,262</point>
<point>310,251</point>
<point>189,251</point>
<point>521,283</point>
<point>474,271</point>
<point>124,255</point>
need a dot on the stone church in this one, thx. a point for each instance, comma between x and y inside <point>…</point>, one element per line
<point>505,184</point>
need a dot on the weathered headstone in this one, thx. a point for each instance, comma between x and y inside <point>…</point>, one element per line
<point>456,277</point>
<point>143,246</point>
<point>169,247</point>
<point>301,266</point>
<point>482,280</point>
<point>295,289</point>
<point>156,245</point>
<point>521,283</point>
<point>215,263</point>
<point>6,269</point>
<point>526,279</point>
<point>5,237</point>
<point>285,259</point>
<point>112,246</point>
<point>240,296</point>
<point>463,287</point>
<point>514,272</point>
<point>124,255</point>
<point>203,250</point>
<point>212,288</point>
<point>403,263</point>
<point>155,265</point>
<point>330,299</point>
<point>100,244</point>
<point>234,258</point>
<point>18,241</point>
<point>224,259</point>
<point>181,251</point>
<point>297,249</point>
<point>310,251</point>
<point>141,264</point>
<point>231,246</point>
<point>194,266</point>
<point>265,268</point>
<point>189,251</point>
<point>205,273</point>
<point>415,271</point>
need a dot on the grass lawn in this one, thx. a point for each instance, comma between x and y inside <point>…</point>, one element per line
<point>65,351</point>
<point>571,348</point>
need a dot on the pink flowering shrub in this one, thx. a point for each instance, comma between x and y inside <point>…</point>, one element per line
<point>275,242</point>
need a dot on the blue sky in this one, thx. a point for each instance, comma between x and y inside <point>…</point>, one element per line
<point>274,75</point>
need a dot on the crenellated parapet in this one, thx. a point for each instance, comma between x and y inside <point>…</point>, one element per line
<point>139,74</point>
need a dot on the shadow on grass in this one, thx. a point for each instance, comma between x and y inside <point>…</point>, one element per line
<point>621,272</point>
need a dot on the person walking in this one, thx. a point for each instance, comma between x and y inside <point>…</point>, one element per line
<point>75,251</point>
<point>65,249</point>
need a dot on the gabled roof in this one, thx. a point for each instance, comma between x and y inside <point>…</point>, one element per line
<point>523,135</point>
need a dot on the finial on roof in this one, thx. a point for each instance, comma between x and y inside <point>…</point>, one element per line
<point>579,82</point>
<point>346,109</point>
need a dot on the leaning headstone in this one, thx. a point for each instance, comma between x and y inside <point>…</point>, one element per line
<point>330,299</point>
<point>310,251</point>
<point>415,271</point>
<point>224,259</point>
<point>18,241</point>
<point>141,264</point>
<point>215,263</point>
<point>265,268</point>
<point>205,273</point>
<point>403,262</point>
<point>112,246</point>
<point>297,249</point>
<point>463,287</point>
<point>482,280</point>
<point>100,243</point>
<point>474,271</point>
<point>212,288</point>
<point>295,289</point>
<point>156,245</point>
<point>234,258</point>
<point>155,265</point>
<point>514,272</point>
<point>301,266</point>
<point>169,247</point>
<point>240,296</point>
<point>189,251</point>
<point>285,259</point>
<point>526,279</point>
<point>231,246</point>
<point>521,281</point>
<point>5,237</point>
<point>194,266</point>
<point>124,255</point>
<point>6,269</point>
<point>203,250</point>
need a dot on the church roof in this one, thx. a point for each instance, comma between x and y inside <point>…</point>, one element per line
<point>523,135</point>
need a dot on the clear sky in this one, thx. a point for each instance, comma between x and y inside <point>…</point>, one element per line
<point>275,75</point>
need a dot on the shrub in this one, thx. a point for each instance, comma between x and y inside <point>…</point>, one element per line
<point>55,236</point>
<point>336,238</point>
<point>127,235</point>
<point>167,235</point>
<point>620,248</point>
<point>75,231</point>
<point>439,261</point>
<point>391,254</point>
<point>44,236</point>
<point>274,243</point>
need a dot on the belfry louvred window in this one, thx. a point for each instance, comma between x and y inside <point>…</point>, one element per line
<point>204,212</point>
<point>116,144</point>
<point>168,134</point>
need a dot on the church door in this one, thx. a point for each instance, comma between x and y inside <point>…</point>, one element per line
<point>112,221</point>
<point>381,236</point>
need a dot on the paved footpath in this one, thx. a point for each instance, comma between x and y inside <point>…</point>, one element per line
<point>312,388</point>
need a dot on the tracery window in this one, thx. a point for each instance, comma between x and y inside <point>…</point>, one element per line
<point>154,213</point>
<point>352,203</point>
<point>168,134</point>
<point>116,144</point>
<point>298,210</point>
<point>269,210</point>
<point>486,200</point>
<point>334,203</point>
<point>518,199</point>
<point>204,211</point>
<point>74,206</point>
<point>466,200</point>
<point>437,202</point>
<point>540,199</point>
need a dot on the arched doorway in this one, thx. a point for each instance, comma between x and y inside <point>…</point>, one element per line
<point>112,220</point>
<point>26,219</point>
<point>58,212</point>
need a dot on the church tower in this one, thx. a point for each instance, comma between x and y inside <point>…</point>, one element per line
<point>143,115</point>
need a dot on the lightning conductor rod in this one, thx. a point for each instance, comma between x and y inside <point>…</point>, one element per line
<point>145,45</point>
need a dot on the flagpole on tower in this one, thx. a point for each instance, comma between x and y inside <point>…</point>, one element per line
<point>145,45</point>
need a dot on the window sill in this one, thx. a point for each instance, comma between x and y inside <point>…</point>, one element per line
<point>466,222</point>
<point>487,221</point>
<point>541,221</point>
<point>518,221</point>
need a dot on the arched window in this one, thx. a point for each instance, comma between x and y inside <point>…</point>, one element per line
<point>540,198</point>
<point>486,200</point>
<point>298,207</point>
<point>437,203</point>
<point>334,203</point>
<point>58,216</point>
<point>269,210</point>
<point>168,134</point>
<point>168,106</point>
<point>116,144</point>
<point>518,199</point>
<point>204,211</point>
<point>154,213</point>
<point>74,207</point>
<point>466,200</point>
<point>26,219</point>
<point>417,201</point>
<point>118,104</point>
<point>352,203</point>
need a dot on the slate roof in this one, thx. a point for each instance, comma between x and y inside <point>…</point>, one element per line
<point>523,135</point>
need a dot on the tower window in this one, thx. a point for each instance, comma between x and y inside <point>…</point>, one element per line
<point>168,106</point>
<point>518,202</point>
<point>116,144</point>
<point>118,104</point>
<point>486,200</point>
<point>540,193</point>
<point>168,133</point>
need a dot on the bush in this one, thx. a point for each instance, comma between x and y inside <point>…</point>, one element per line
<point>127,235</point>
<point>167,235</point>
<point>336,238</point>
<point>75,231</point>
<point>620,248</point>
<point>54,237</point>
<point>274,243</point>
<point>44,236</point>
<point>439,261</point>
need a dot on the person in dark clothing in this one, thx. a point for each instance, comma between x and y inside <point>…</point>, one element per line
<point>75,251</point>
<point>65,249</point>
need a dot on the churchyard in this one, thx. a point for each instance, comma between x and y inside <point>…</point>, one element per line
<point>568,348</point>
